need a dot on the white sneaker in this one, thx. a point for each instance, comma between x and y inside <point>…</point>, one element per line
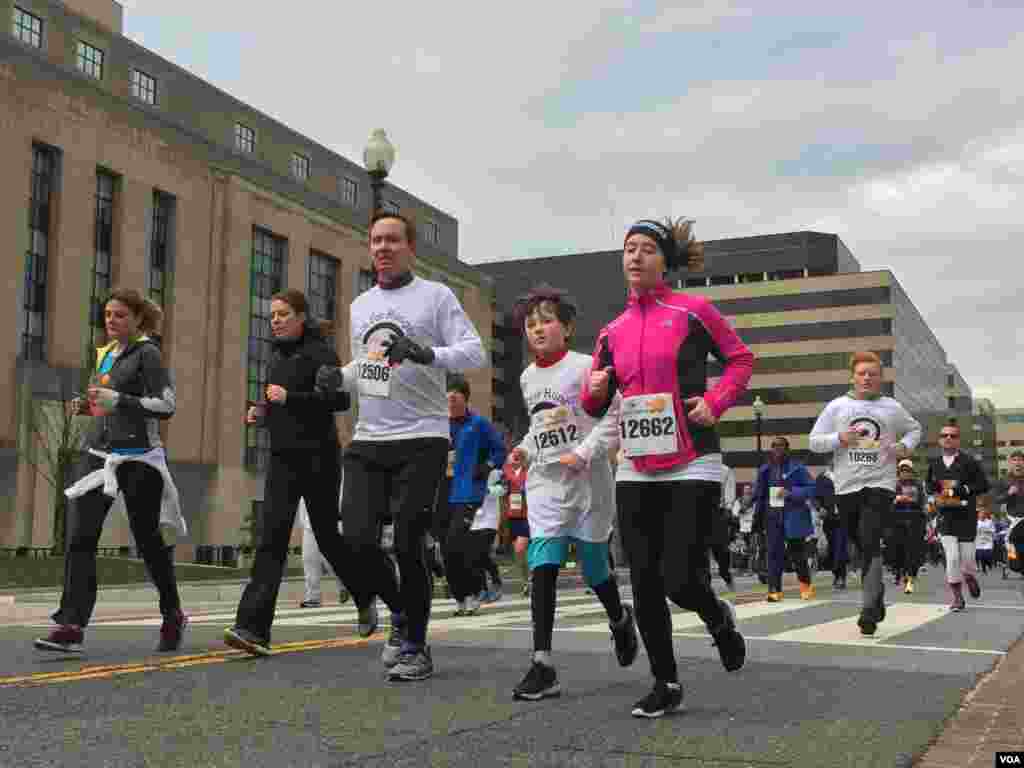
<point>460,608</point>
<point>472,604</point>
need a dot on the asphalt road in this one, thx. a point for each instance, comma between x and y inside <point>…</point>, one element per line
<point>813,693</point>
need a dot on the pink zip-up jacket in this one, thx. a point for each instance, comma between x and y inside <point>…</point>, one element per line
<point>661,344</point>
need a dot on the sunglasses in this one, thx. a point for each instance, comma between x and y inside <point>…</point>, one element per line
<point>950,435</point>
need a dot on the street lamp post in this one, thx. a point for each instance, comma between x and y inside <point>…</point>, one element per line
<point>758,416</point>
<point>378,157</point>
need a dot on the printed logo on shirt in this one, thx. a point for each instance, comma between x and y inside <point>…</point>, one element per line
<point>866,452</point>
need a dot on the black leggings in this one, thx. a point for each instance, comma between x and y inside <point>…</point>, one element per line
<point>666,530</point>
<point>143,487</point>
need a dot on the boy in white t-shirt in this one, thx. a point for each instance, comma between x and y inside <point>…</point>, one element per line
<point>569,486</point>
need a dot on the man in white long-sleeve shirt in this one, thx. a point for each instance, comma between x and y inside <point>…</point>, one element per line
<point>868,433</point>
<point>407,333</point>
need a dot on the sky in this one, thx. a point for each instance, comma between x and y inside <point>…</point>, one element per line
<point>547,127</point>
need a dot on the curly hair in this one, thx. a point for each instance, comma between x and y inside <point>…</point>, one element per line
<point>562,303</point>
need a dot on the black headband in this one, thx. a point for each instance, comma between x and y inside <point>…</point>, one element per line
<point>663,236</point>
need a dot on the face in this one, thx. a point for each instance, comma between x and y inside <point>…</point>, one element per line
<point>1016,466</point>
<point>949,439</point>
<point>779,450</point>
<point>456,405</point>
<point>867,379</point>
<point>545,333</point>
<point>906,475</point>
<point>389,246</point>
<point>120,322</point>
<point>285,322</point>
<point>642,262</point>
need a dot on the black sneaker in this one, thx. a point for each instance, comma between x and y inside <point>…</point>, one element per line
<point>541,682</point>
<point>663,699</point>
<point>867,626</point>
<point>732,648</point>
<point>244,640</point>
<point>393,647</point>
<point>973,586</point>
<point>624,638</point>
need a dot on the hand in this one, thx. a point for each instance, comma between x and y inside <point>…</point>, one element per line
<point>700,413</point>
<point>1012,491</point>
<point>572,461</point>
<point>79,406</point>
<point>329,378</point>
<point>254,415</point>
<point>103,398</point>
<point>516,458</point>
<point>850,436</point>
<point>900,450</point>
<point>277,394</point>
<point>599,381</point>
<point>400,348</point>
<point>963,491</point>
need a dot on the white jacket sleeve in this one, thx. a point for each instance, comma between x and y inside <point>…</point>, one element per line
<point>911,429</point>
<point>462,349</point>
<point>604,432</point>
<point>825,435</point>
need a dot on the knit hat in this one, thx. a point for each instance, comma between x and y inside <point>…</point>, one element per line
<point>663,236</point>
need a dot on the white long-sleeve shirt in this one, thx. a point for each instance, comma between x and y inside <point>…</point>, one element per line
<point>871,463</point>
<point>563,501</point>
<point>417,405</point>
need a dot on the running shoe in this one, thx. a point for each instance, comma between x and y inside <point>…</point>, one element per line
<point>64,639</point>
<point>412,665</point>
<point>393,647</point>
<point>310,604</point>
<point>732,648</point>
<point>244,640</point>
<point>471,605</point>
<point>807,591</point>
<point>774,597</point>
<point>958,604</point>
<point>460,608</point>
<point>368,620</point>
<point>172,632</point>
<point>540,682</point>
<point>908,587</point>
<point>663,699</point>
<point>624,638</point>
<point>867,627</point>
<point>972,586</point>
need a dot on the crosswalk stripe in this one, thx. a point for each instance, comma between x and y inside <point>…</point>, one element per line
<point>899,619</point>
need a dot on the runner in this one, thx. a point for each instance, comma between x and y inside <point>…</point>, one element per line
<point>314,564</point>
<point>476,449</point>
<point>909,523</point>
<point>985,541</point>
<point>514,510</point>
<point>566,451</point>
<point>956,479</point>
<point>1010,496</point>
<point>130,394</point>
<point>406,333</point>
<point>669,481</point>
<point>832,525</point>
<point>304,464</point>
<point>868,433</point>
<point>722,528</point>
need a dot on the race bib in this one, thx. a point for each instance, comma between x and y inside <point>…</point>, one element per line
<point>515,502</point>
<point>648,426</point>
<point>450,472</point>
<point>374,377</point>
<point>866,453</point>
<point>555,433</point>
<point>776,497</point>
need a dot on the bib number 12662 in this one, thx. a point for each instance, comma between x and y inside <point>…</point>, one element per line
<point>648,425</point>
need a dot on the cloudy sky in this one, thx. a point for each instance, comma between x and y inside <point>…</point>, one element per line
<point>546,127</point>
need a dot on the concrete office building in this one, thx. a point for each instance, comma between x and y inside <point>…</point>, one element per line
<point>799,300</point>
<point>122,169</point>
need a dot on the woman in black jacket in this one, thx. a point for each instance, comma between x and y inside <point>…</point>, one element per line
<point>304,462</point>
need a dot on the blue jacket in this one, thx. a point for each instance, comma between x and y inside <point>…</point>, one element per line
<point>797,522</point>
<point>475,442</point>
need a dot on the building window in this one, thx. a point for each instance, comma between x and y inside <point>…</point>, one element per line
<point>723,279</point>
<point>950,380</point>
<point>951,402</point>
<point>300,167</point>
<point>696,282</point>
<point>143,86</point>
<point>28,28</point>
<point>432,232</point>
<point>366,281</point>
<point>348,191</point>
<point>322,286</point>
<point>245,138</point>
<point>266,277</point>
<point>104,239</point>
<point>158,278</point>
<point>90,60</point>
<point>389,206</point>
<point>33,325</point>
<point>752,277</point>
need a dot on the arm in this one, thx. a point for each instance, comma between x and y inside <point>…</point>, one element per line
<point>494,445</point>
<point>328,400</point>
<point>602,358</point>
<point>824,434</point>
<point>737,359</point>
<point>910,429</point>
<point>159,399</point>
<point>979,480</point>
<point>463,350</point>
<point>603,434</point>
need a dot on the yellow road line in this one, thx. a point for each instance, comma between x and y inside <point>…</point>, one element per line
<point>99,672</point>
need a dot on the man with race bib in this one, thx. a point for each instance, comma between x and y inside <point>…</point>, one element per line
<point>668,484</point>
<point>868,433</point>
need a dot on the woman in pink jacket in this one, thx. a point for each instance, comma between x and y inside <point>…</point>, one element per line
<point>668,484</point>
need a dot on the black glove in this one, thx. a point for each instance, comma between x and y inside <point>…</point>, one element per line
<point>481,471</point>
<point>401,348</point>
<point>963,491</point>
<point>604,360</point>
<point>329,378</point>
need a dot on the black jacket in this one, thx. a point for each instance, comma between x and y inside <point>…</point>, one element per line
<point>1014,501</point>
<point>145,395</point>
<point>960,521</point>
<point>305,421</point>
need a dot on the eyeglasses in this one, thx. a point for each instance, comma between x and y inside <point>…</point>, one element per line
<point>950,435</point>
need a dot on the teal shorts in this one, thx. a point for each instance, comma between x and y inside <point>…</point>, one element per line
<point>592,556</point>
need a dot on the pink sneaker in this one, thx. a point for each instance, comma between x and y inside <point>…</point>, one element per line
<point>172,631</point>
<point>66,638</point>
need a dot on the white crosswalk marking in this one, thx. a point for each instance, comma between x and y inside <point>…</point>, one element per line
<point>899,618</point>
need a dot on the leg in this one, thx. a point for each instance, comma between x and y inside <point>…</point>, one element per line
<point>969,568</point>
<point>775,534</point>
<point>458,554</point>
<point>281,502</point>
<point>546,557</point>
<point>143,488</point>
<point>312,566</point>
<point>85,524</point>
<point>797,550</point>
<point>640,509</point>
<point>875,505</point>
